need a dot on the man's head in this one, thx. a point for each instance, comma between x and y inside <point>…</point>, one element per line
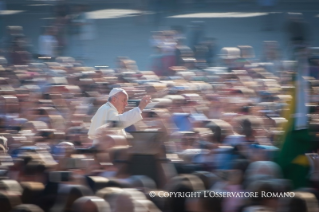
<point>118,97</point>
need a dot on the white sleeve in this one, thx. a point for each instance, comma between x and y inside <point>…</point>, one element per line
<point>103,116</point>
<point>128,118</point>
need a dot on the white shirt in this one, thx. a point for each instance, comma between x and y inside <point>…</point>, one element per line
<point>108,112</point>
<point>47,44</point>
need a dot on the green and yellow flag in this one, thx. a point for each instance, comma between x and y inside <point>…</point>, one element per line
<point>294,143</point>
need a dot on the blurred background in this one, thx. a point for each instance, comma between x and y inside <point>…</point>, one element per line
<point>234,87</point>
<point>123,28</point>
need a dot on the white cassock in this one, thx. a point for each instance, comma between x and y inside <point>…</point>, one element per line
<point>107,113</point>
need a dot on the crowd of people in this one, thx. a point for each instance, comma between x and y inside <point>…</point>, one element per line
<point>244,126</point>
<point>68,33</point>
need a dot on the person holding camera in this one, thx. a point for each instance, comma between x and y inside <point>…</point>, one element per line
<point>113,110</point>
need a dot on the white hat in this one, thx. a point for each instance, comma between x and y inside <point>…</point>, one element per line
<point>116,90</point>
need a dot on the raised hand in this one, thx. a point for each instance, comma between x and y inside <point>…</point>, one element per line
<point>144,102</point>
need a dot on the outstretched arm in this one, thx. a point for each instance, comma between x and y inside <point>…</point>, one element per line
<point>126,119</point>
<point>132,116</point>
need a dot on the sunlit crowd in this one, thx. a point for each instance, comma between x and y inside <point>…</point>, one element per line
<point>217,123</point>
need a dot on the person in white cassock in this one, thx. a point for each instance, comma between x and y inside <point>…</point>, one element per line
<point>113,110</point>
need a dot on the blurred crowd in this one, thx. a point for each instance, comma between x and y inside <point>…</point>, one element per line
<point>67,33</point>
<point>216,123</point>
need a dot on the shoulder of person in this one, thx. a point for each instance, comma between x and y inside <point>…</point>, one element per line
<point>104,107</point>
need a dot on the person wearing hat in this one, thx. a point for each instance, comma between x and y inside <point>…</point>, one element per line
<point>113,110</point>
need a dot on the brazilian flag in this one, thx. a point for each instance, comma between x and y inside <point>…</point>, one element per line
<point>294,143</point>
